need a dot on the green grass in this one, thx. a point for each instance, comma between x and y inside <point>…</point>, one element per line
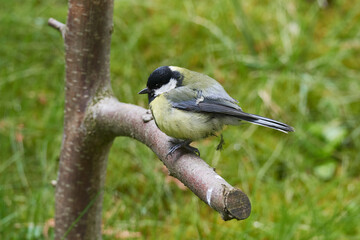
<point>288,60</point>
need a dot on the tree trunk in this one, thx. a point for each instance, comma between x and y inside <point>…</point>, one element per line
<point>85,147</point>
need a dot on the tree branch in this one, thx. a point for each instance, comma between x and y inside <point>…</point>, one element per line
<point>57,25</point>
<point>127,120</point>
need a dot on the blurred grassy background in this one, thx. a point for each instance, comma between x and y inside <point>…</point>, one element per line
<point>288,60</point>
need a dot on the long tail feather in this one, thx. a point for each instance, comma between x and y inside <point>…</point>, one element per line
<point>266,122</point>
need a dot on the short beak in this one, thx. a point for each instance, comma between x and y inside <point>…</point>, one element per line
<point>144,91</point>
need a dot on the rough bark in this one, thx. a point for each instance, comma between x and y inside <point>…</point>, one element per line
<point>93,118</point>
<point>84,151</point>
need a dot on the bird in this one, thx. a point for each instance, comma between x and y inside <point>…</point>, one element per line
<point>189,106</point>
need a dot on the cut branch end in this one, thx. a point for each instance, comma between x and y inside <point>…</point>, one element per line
<point>237,205</point>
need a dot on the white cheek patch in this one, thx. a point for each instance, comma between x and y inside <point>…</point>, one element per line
<point>167,87</point>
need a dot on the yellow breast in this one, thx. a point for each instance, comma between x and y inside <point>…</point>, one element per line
<point>182,124</point>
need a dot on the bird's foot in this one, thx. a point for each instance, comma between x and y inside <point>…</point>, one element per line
<point>182,144</point>
<point>192,149</point>
<point>221,143</point>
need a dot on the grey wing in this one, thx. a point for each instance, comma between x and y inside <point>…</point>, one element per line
<point>194,100</point>
<point>209,105</point>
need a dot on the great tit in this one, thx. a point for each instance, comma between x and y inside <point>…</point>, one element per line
<point>189,106</point>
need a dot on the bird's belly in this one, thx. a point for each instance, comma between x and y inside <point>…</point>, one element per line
<point>184,124</point>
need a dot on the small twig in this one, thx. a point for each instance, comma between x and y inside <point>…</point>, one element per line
<point>57,25</point>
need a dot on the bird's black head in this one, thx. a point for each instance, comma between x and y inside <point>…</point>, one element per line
<point>159,77</point>
<point>161,80</point>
